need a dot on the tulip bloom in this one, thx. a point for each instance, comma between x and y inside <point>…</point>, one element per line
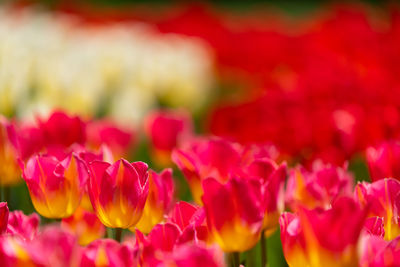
<point>117,139</point>
<point>55,247</point>
<point>118,192</point>
<point>272,177</point>
<point>234,213</point>
<point>160,241</point>
<point>9,171</point>
<point>4,213</point>
<point>15,252</point>
<point>166,129</point>
<point>60,129</point>
<point>85,225</point>
<point>323,237</point>
<point>106,252</point>
<point>383,161</point>
<point>24,226</point>
<point>319,187</point>
<point>195,255</point>
<point>382,198</point>
<point>292,238</point>
<point>378,252</point>
<point>55,187</point>
<point>216,158</point>
<point>191,220</point>
<point>159,199</point>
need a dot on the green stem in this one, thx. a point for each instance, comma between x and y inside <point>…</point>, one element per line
<point>109,232</point>
<point>250,258</point>
<point>234,259</point>
<point>118,234</point>
<point>264,250</point>
<point>7,195</point>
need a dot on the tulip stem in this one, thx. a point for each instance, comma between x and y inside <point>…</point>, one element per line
<point>234,259</point>
<point>109,232</point>
<point>5,193</point>
<point>264,250</point>
<point>118,234</point>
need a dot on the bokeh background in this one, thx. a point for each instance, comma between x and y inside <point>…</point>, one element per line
<point>316,79</point>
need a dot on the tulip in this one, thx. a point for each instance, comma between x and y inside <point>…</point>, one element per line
<point>119,140</point>
<point>24,226</point>
<point>4,213</point>
<point>293,243</point>
<point>107,252</point>
<point>60,129</point>
<point>55,186</point>
<point>118,192</point>
<point>272,177</point>
<point>205,158</point>
<point>191,220</point>
<point>234,213</point>
<point>159,200</point>
<point>383,161</point>
<point>323,237</point>
<point>15,252</point>
<point>85,225</point>
<point>378,252</point>
<point>375,226</point>
<point>55,247</point>
<point>319,187</point>
<point>196,255</point>
<point>167,129</point>
<point>9,171</point>
<point>382,198</point>
<point>160,241</point>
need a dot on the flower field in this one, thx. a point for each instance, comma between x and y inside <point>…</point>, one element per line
<point>199,134</point>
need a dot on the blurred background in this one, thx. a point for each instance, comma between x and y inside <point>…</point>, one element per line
<point>316,79</point>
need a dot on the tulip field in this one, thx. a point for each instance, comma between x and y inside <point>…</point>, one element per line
<point>199,134</point>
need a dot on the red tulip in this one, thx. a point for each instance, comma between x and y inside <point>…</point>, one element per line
<point>106,252</point>
<point>85,225</point>
<point>56,187</point>
<point>383,161</point>
<point>382,197</point>
<point>4,213</point>
<point>60,129</point>
<point>319,187</point>
<point>159,200</point>
<point>166,129</point>
<point>24,226</point>
<point>234,212</point>
<point>119,140</point>
<point>118,192</point>
<point>323,237</point>
<point>9,153</point>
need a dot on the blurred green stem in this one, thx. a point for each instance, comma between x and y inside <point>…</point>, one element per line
<point>250,258</point>
<point>234,259</point>
<point>5,193</point>
<point>109,232</point>
<point>118,234</point>
<point>264,251</point>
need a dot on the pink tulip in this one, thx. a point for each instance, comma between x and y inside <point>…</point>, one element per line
<point>23,226</point>
<point>56,187</point>
<point>106,252</point>
<point>159,199</point>
<point>4,213</point>
<point>383,161</point>
<point>382,197</point>
<point>234,212</point>
<point>118,192</point>
<point>319,187</point>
